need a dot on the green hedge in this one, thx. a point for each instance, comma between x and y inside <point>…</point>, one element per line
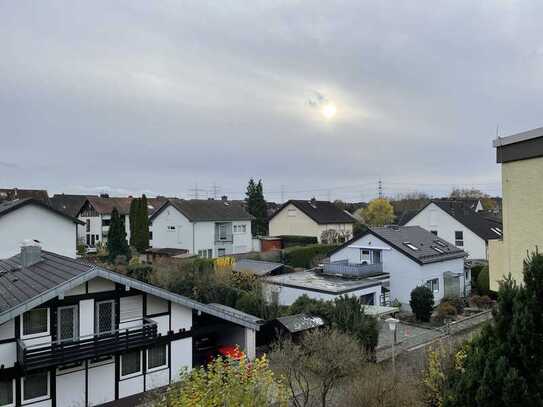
<point>304,256</point>
<point>292,240</point>
<point>139,271</point>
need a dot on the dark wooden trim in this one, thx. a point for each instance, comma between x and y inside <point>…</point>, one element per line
<point>117,375</point>
<point>521,150</point>
<point>160,314</point>
<point>86,382</point>
<point>9,340</point>
<point>18,395</point>
<point>53,386</point>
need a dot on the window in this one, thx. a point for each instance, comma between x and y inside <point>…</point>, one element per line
<point>131,363</point>
<point>437,249</point>
<point>291,213</point>
<point>36,322</point>
<point>434,232</point>
<point>106,222</point>
<point>377,257</point>
<point>68,323</point>
<point>222,231</point>
<point>411,246</point>
<point>171,228</point>
<point>441,243</point>
<point>459,238</point>
<point>36,386</point>
<point>365,256</point>
<point>150,235</point>
<point>97,237</point>
<point>235,228</point>
<point>498,231</point>
<point>105,317</point>
<point>206,253</point>
<point>6,392</point>
<point>157,357</point>
<point>88,226</point>
<point>433,285</point>
<point>367,299</point>
<point>209,253</point>
<point>221,252</point>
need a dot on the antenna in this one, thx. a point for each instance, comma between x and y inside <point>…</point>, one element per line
<point>380,188</point>
<point>282,193</point>
<point>215,190</point>
<point>195,192</point>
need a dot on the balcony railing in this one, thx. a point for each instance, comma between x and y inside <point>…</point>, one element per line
<point>51,354</point>
<point>353,270</point>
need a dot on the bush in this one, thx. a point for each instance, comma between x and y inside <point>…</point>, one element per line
<point>445,310</point>
<point>81,249</point>
<point>140,272</point>
<point>303,256</point>
<point>483,282</point>
<point>291,240</point>
<point>481,301</point>
<point>458,303</point>
<point>422,303</point>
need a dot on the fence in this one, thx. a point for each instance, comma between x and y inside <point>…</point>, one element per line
<point>354,270</point>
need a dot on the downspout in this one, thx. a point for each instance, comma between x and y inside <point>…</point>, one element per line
<point>193,238</point>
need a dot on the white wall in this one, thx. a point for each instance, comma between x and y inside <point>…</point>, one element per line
<point>298,223</point>
<point>204,236</point>
<point>70,388</point>
<point>405,273</point>
<point>180,238</point>
<point>181,356</point>
<point>243,241</point>
<point>434,218</point>
<point>55,232</point>
<point>101,382</point>
<point>287,295</point>
<point>181,317</point>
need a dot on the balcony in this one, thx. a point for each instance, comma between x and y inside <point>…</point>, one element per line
<point>345,269</point>
<point>52,354</point>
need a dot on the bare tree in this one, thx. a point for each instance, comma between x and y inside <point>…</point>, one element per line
<point>319,363</point>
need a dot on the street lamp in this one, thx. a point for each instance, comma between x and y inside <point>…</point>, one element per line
<point>392,324</point>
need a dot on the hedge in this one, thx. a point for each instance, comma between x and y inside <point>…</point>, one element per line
<point>139,271</point>
<point>303,256</point>
<point>292,240</point>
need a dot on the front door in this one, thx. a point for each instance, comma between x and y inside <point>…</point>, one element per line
<point>67,323</point>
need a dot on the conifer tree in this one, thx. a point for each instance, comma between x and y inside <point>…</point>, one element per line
<point>116,238</point>
<point>132,219</point>
<point>141,228</point>
<point>256,206</point>
<point>504,365</point>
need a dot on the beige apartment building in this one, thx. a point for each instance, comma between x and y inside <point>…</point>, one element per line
<point>521,157</point>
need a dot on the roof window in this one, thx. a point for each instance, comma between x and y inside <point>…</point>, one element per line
<point>411,246</point>
<point>437,249</point>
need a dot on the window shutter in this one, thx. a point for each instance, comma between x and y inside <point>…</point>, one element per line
<point>131,308</point>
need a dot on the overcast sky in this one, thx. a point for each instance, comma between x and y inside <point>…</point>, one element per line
<point>160,96</point>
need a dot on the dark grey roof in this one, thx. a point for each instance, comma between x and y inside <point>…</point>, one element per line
<point>480,224</point>
<point>69,204</point>
<point>430,248</point>
<point>22,289</point>
<point>10,194</point>
<point>406,216</point>
<point>300,322</point>
<point>201,210</point>
<point>257,267</point>
<point>10,206</point>
<point>241,314</point>
<point>322,212</point>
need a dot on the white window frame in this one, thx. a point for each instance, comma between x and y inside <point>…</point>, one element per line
<point>135,374</point>
<point>97,315</point>
<point>13,395</point>
<point>35,399</point>
<point>219,252</point>
<point>459,240</point>
<point>430,285</point>
<point>362,258</point>
<point>40,334</point>
<point>154,369</point>
<point>75,321</point>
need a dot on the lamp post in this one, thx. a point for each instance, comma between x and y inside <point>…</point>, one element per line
<point>392,324</point>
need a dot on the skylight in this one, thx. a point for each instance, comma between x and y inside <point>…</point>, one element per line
<point>411,245</point>
<point>437,249</point>
<point>498,231</point>
<point>440,243</point>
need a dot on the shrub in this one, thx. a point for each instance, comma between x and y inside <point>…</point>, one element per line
<point>445,310</point>
<point>81,249</point>
<point>140,272</point>
<point>303,256</point>
<point>481,301</point>
<point>422,303</point>
<point>292,240</point>
<point>483,282</point>
<point>458,303</point>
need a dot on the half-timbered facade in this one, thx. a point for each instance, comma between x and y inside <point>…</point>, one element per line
<point>74,334</point>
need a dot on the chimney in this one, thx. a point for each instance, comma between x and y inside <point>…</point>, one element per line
<point>30,253</point>
<point>224,198</point>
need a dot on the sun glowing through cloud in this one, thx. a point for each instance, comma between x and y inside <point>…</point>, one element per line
<point>329,111</point>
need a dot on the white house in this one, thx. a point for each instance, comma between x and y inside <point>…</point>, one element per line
<point>461,224</point>
<point>284,289</point>
<point>73,334</point>
<point>411,256</point>
<point>95,213</point>
<point>24,219</point>
<point>209,228</point>
<point>310,218</point>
